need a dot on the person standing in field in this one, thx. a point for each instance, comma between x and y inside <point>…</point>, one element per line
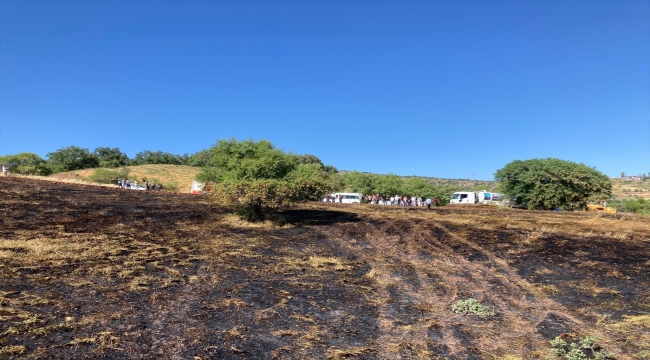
<point>128,183</point>
<point>119,183</point>
<point>405,202</point>
<point>4,170</point>
<point>428,202</point>
<point>435,201</point>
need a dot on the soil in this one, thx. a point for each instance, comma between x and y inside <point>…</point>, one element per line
<point>94,272</point>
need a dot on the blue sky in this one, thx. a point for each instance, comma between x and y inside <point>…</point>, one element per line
<point>432,88</point>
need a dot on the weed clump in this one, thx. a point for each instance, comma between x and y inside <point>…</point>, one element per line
<point>471,306</point>
<point>583,349</point>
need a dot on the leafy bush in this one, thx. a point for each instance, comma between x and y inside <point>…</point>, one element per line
<point>584,349</point>
<point>637,206</point>
<point>258,200</point>
<point>471,306</point>
<point>104,176</point>
<point>172,186</point>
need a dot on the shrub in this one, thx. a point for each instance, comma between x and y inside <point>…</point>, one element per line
<point>104,176</point>
<point>471,306</point>
<point>172,186</point>
<point>258,200</point>
<point>124,172</point>
<point>584,349</point>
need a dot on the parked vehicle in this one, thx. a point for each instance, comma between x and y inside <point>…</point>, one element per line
<point>137,187</point>
<point>348,198</point>
<point>197,188</point>
<point>476,197</point>
<point>601,208</point>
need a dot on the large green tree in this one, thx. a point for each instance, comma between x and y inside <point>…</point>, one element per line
<point>110,157</point>
<point>259,178</point>
<point>553,183</point>
<point>26,164</point>
<point>71,158</point>
<point>234,160</point>
<point>148,157</point>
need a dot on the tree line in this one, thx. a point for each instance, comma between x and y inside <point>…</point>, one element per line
<point>260,178</point>
<point>76,158</point>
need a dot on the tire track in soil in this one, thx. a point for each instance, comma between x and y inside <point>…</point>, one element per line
<point>522,306</point>
<point>544,307</point>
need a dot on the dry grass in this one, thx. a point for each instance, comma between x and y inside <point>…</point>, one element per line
<point>88,270</point>
<point>166,174</point>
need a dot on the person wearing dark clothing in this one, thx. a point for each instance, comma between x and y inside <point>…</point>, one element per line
<point>435,201</point>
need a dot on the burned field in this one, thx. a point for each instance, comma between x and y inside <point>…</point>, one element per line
<point>102,273</point>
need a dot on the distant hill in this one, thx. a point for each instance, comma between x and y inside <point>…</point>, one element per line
<point>629,189</point>
<point>182,176</point>
<point>169,175</point>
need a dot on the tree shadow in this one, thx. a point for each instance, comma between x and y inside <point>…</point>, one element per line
<point>317,217</point>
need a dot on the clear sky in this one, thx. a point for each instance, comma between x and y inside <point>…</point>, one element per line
<point>432,88</point>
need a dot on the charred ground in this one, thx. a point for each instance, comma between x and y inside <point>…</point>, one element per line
<point>97,272</point>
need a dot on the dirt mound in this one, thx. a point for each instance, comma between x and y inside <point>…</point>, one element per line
<point>98,272</point>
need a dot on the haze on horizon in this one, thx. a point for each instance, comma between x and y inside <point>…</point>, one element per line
<point>441,89</point>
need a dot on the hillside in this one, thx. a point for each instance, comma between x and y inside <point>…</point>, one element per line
<point>93,272</point>
<point>629,189</point>
<point>166,174</point>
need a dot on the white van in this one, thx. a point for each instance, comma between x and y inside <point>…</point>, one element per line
<point>480,197</point>
<point>464,197</point>
<point>345,198</point>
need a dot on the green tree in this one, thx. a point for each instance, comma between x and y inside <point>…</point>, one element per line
<point>552,183</point>
<point>315,172</point>
<point>258,200</point>
<point>25,164</point>
<point>110,158</point>
<point>71,158</point>
<point>234,160</point>
<point>200,159</point>
<point>359,182</point>
<point>388,185</point>
<point>259,179</point>
<point>158,157</point>
<point>309,159</point>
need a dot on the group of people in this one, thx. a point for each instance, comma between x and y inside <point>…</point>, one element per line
<point>152,186</point>
<point>126,184</point>
<point>404,201</point>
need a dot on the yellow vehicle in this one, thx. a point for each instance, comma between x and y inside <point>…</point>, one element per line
<point>605,209</point>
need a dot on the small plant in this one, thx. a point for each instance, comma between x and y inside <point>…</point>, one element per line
<point>584,349</point>
<point>471,306</point>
